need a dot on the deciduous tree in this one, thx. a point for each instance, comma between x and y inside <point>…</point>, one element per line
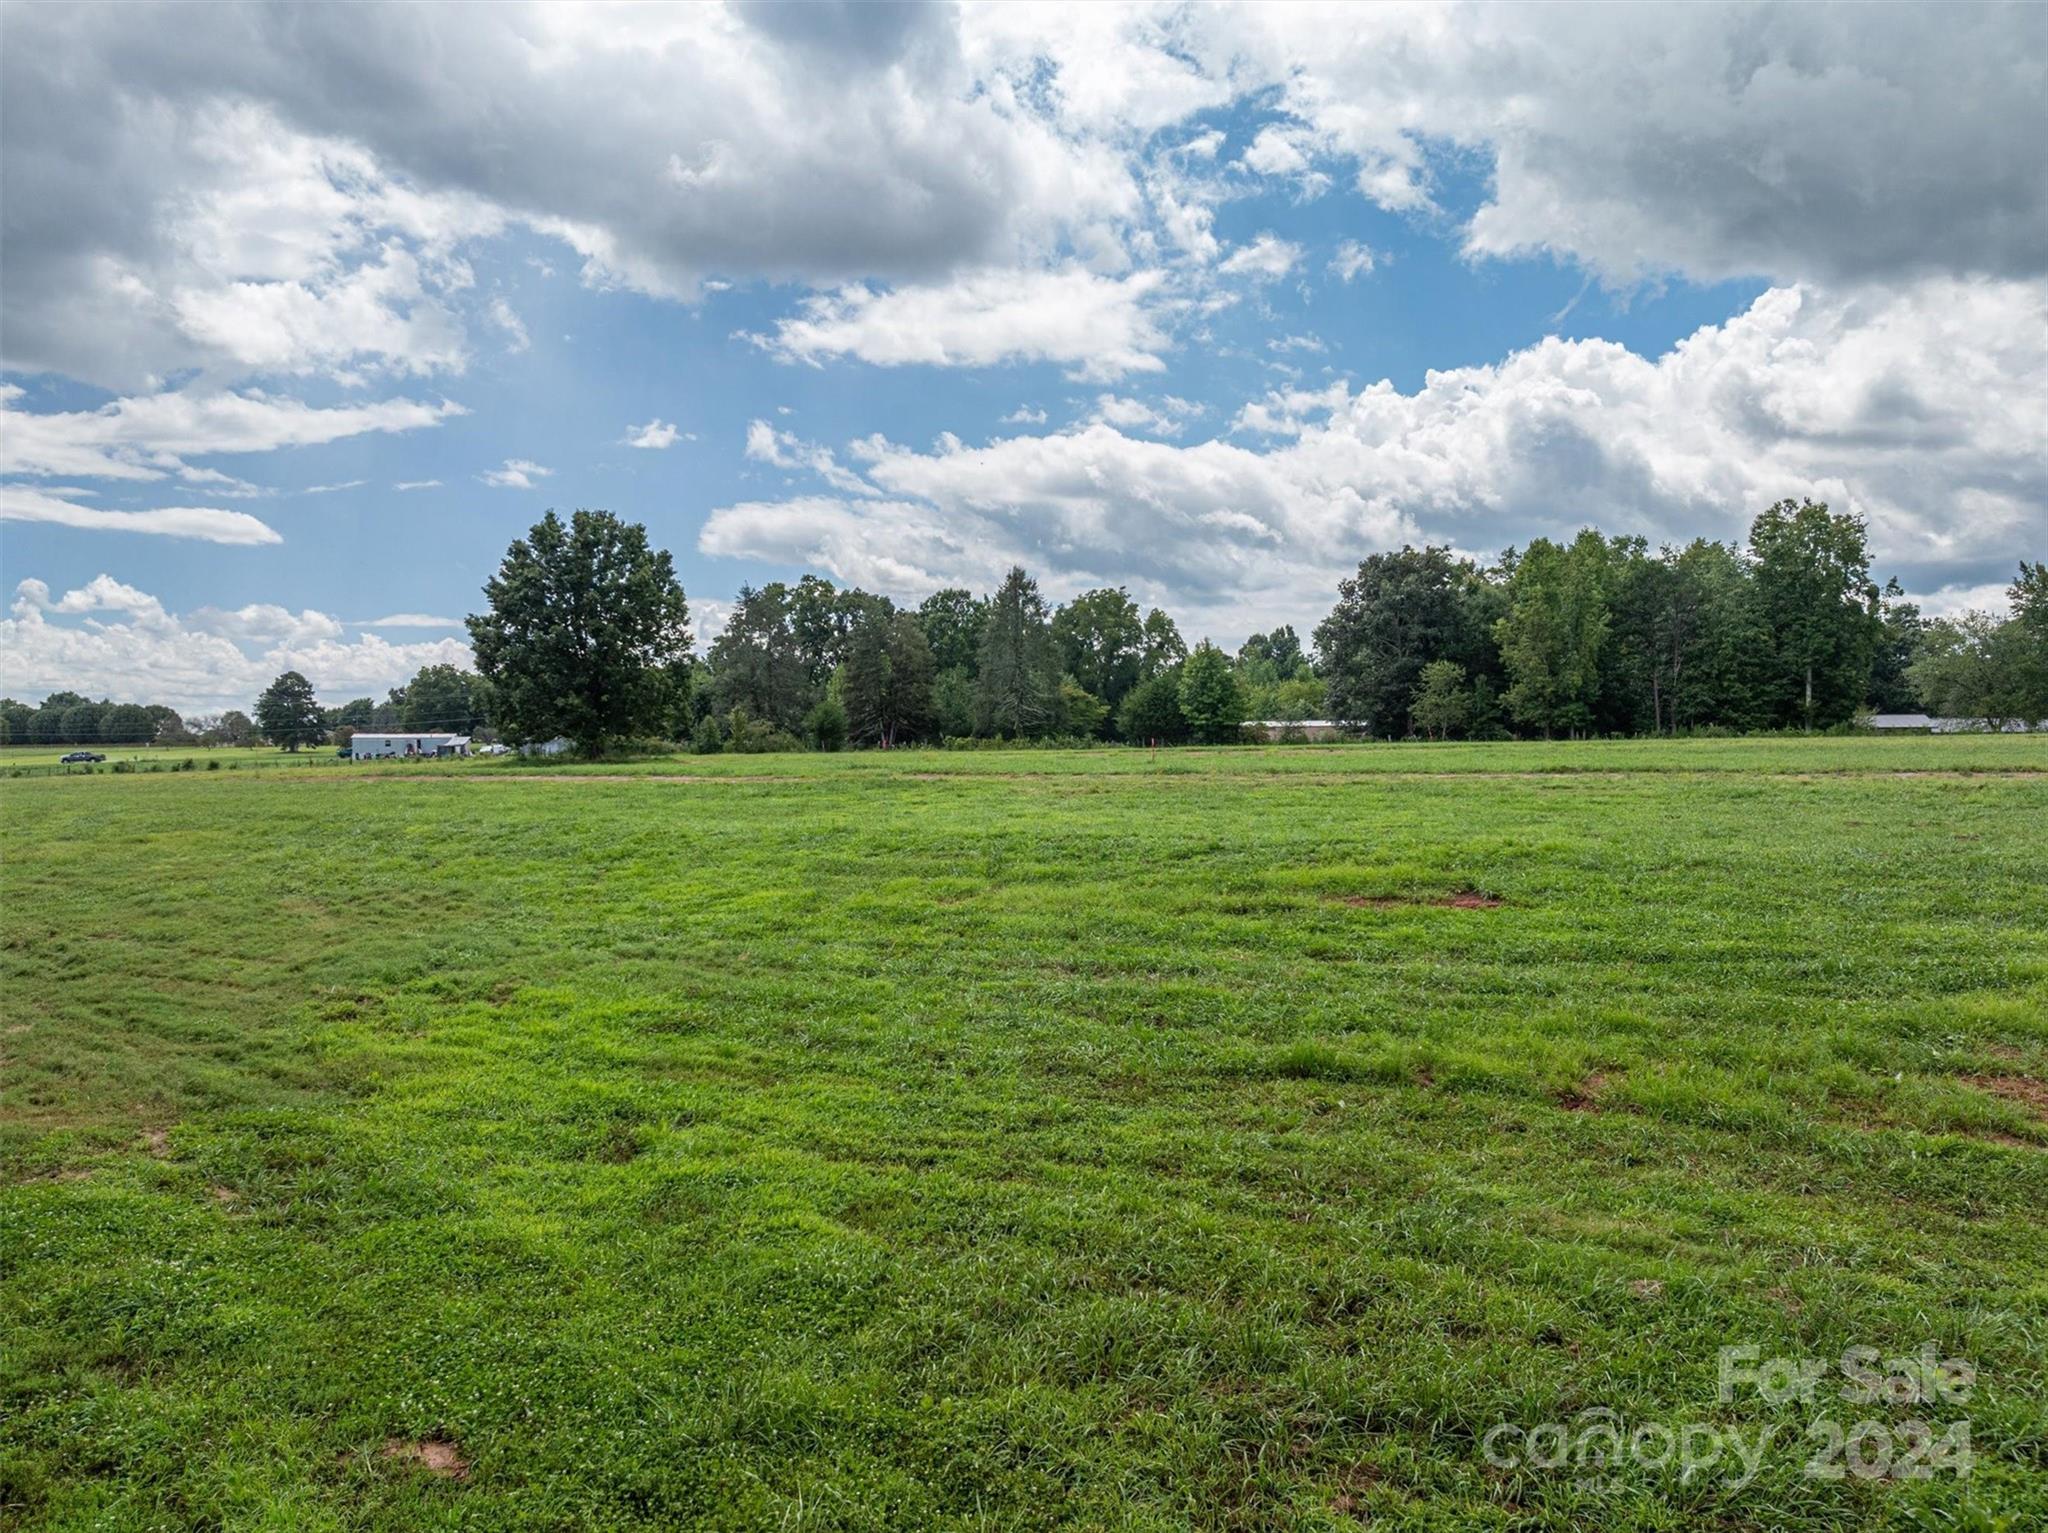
<point>952,621</point>
<point>1399,612</point>
<point>1976,666</point>
<point>439,698</point>
<point>585,620</point>
<point>1210,699</point>
<point>289,714</point>
<point>1812,574</point>
<point>1151,711</point>
<point>1101,640</point>
<point>1551,638</point>
<point>1443,700</point>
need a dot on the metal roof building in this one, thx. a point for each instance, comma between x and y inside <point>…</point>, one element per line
<point>365,746</point>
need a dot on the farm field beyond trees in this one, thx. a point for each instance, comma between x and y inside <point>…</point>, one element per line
<point>1025,1139</point>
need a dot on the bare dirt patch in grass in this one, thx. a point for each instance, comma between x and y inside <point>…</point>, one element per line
<point>1584,1097</point>
<point>2023,1089</point>
<point>436,1455</point>
<point>157,1143</point>
<point>1463,899</point>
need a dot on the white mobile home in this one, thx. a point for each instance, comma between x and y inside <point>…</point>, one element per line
<point>364,746</point>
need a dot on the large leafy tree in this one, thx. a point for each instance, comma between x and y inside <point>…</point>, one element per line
<point>1900,628</point>
<point>1101,641</point>
<point>824,619</point>
<point>1712,645</point>
<point>887,682</point>
<point>1399,612</point>
<point>758,665</point>
<point>170,728</point>
<point>1017,681</point>
<point>1812,575</point>
<point>441,698</point>
<point>1555,628</point>
<point>952,621</point>
<point>127,724</point>
<point>289,714</point>
<point>2029,597</point>
<point>1164,648</point>
<point>1976,666</point>
<point>585,622</point>
<point>82,723</point>
<point>1638,588</point>
<point>1210,698</point>
<point>1267,658</point>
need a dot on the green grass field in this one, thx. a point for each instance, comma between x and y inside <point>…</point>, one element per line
<point>1227,1139</point>
<point>48,760</point>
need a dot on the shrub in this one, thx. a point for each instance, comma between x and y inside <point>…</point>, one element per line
<point>706,740</point>
<point>749,736</point>
<point>124,766</point>
<point>825,725</point>
<point>1037,743</point>
<point>213,766</point>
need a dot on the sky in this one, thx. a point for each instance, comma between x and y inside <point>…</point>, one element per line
<point>307,312</point>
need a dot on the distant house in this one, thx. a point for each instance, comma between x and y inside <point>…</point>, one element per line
<point>559,746</point>
<point>1298,729</point>
<point>366,747</point>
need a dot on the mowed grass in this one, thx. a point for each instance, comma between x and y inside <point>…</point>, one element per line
<point>1015,1140</point>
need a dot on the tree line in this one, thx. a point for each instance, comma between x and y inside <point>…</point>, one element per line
<point>586,636</point>
<point>1603,636</point>
<point>439,697</point>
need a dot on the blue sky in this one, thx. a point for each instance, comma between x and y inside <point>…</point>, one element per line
<point>1194,240</point>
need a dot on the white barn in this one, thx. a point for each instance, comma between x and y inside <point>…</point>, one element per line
<point>1942,726</point>
<point>365,746</point>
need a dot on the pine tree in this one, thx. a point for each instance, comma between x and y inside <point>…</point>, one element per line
<point>1017,688</point>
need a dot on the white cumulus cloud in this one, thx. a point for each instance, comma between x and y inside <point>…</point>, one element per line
<point>655,435</point>
<point>784,449</point>
<point>1265,259</point>
<point>1919,409</point>
<point>517,474</point>
<point>110,639</point>
<point>1098,327</point>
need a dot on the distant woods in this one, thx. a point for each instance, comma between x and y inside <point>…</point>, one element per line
<point>1595,636</point>
<point>586,636</point>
